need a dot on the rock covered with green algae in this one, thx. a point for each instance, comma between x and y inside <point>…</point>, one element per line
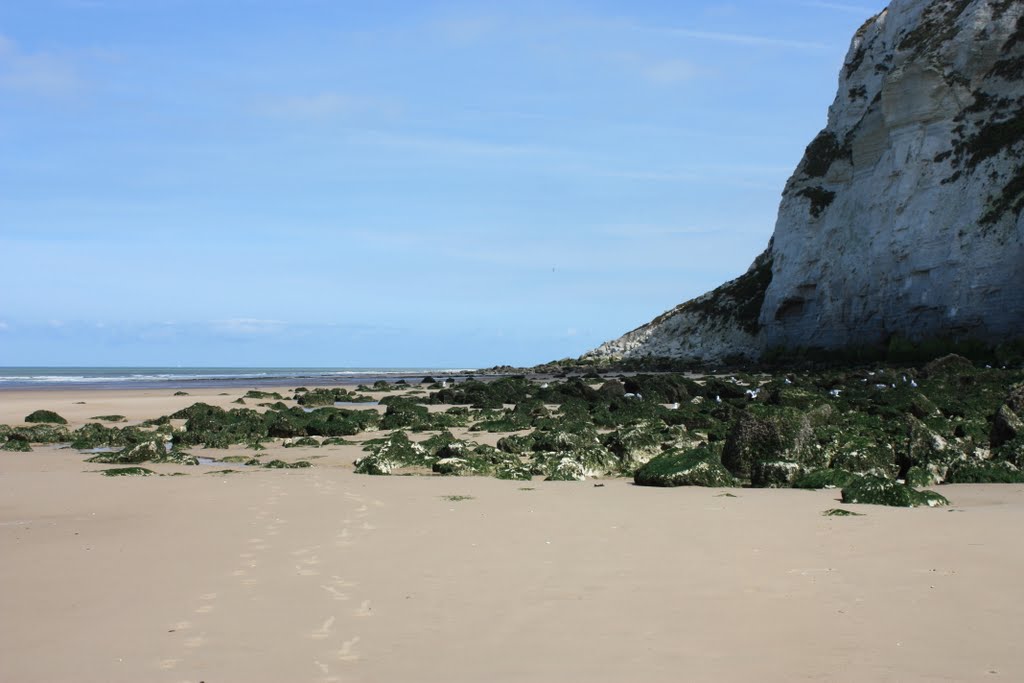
<point>393,452</point>
<point>700,466</point>
<point>155,450</point>
<point>47,416</point>
<point>871,490</point>
<point>17,444</point>
<point>128,472</point>
<point>282,465</point>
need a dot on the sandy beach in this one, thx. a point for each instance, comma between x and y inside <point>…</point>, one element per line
<point>325,575</point>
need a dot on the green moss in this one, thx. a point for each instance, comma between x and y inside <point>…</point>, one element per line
<point>17,444</point>
<point>109,418</point>
<point>47,416</point>
<point>282,465</point>
<point>820,198</point>
<point>457,499</point>
<point>839,512</point>
<point>873,490</point>
<point>937,26</point>
<point>824,479</point>
<point>984,472</point>
<point>128,472</point>
<point>303,442</point>
<point>739,300</point>
<point>252,393</point>
<point>823,151</point>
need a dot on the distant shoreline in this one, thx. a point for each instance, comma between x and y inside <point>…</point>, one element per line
<point>96,378</point>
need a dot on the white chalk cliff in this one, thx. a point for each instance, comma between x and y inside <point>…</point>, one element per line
<point>904,217</point>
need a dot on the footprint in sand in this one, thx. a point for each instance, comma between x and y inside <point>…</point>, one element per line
<point>194,642</point>
<point>324,631</point>
<point>325,670</point>
<point>346,654</point>
<point>335,593</point>
<point>205,609</point>
<point>364,610</point>
<point>168,664</point>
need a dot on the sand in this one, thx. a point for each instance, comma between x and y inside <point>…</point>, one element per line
<point>325,575</point>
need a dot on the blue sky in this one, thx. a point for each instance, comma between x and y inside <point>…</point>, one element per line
<point>327,183</point>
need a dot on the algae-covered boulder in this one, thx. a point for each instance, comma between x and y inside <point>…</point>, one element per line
<point>567,469</point>
<point>154,450</point>
<point>253,393</point>
<point>871,490</point>
<point>637,443</point>
<point>47,416</point>
<point>700,466</point>
<point>373,464</point>
<point>282,465</point>
<point>513,471</point>
<point>776,474</point>
<point>515,443</point>
<point>302,442</point>
<point>1006,426</point>
<point>43,433</point>
<point>403,413</point>
<point>463,466</point>
<point>772,435</point>
<point>824,479</point>
<point>146,451</point>
<point>16,443</point>
<point>396,450</point>
<point>594,460</point>
<point>128,472</point>
<point>984,472</point>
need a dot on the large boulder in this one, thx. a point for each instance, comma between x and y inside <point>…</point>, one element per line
<point>690,467</point>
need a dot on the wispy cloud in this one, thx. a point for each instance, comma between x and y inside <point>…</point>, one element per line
<point>633,230</point>
<point>448,145</point>
<point>326,105</point>
<point>841,7</point>
<point>465,29</point>
<point>247,326</point>
<point>671,72</point>
<point>736,38</point>
<point>38,73</point>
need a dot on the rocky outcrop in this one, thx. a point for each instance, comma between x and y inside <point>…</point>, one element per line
<point>904,217</point>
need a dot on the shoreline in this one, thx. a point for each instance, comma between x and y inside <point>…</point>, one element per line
<point>320,574</point>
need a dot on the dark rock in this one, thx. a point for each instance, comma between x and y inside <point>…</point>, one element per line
<point>1006,426</point>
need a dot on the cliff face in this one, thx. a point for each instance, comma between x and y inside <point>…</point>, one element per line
<point>904,216</point>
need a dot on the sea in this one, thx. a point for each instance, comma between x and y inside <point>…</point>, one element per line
<point>183,378</point>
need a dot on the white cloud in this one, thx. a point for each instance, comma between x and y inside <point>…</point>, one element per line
<point>445,145</point>
<point>326,105</point>
<point>247,326</point>
<point>465,30</point>
<point>739,38</point>
<point>671,72</point>
<point>842,7</point>
<point>38,73</point>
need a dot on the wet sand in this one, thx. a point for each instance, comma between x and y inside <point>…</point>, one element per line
<point>325,575</point>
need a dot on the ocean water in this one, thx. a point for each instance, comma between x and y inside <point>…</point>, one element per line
<point>154,377</point>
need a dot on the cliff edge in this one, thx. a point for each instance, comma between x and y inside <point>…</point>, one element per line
<point>904,217</point>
